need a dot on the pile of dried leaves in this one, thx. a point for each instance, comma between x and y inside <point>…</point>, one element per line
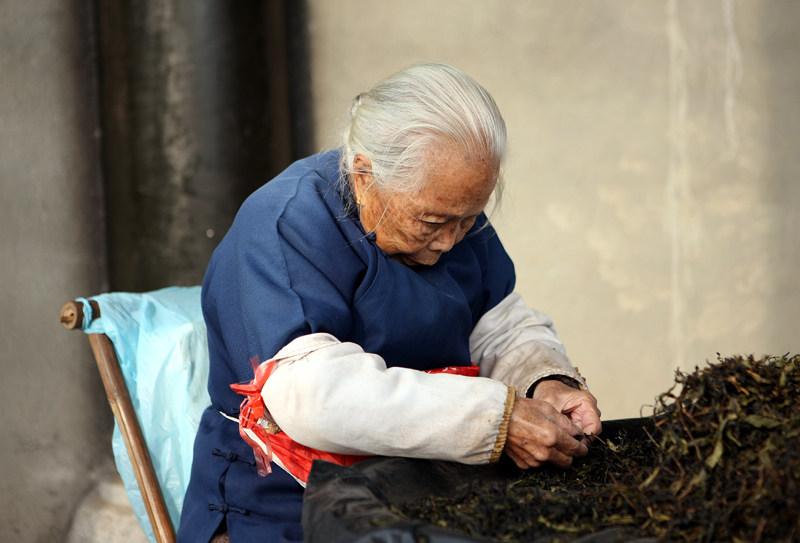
<point>720,462</point>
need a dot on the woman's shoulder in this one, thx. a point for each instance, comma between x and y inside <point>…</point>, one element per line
<point>302,211</point>
<point>482,237</point>
<point>305,195</point>
<point>304,183</point>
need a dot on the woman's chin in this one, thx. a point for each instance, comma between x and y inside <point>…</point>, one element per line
<point>416,262</point>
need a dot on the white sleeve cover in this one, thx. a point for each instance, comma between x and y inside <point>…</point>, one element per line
<point>518,346</point>
<point>334,397</point>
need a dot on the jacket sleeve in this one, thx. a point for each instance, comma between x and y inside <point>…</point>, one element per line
<point>375,410</point>
<point>519,346</point>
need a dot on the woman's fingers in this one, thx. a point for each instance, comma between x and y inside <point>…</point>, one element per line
<point>537,434</point>
<point>588,421</point>
<point>579,405</point>
<point>543,429</point>
<point>584,414</point>
<point>533,458</point>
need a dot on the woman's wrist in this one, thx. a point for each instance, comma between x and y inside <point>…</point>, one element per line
<point>569,381</point>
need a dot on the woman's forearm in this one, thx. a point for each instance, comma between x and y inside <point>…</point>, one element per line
<point>335,397</point>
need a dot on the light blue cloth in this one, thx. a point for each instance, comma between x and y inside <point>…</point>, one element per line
<point>160,340</point>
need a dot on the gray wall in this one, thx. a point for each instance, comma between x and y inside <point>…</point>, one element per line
<point>653,176</point>
<point>55,422</point>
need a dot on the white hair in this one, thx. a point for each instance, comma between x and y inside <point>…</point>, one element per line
<point>428,107</point>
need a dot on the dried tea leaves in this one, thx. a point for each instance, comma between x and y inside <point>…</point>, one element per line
<point>721,463</point>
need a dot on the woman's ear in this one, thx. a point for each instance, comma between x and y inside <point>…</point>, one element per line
<point>362,177</point>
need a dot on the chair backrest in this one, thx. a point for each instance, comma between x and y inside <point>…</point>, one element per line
<point>152,353</point>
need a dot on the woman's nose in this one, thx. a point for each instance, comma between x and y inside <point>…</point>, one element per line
<point>446,238</point>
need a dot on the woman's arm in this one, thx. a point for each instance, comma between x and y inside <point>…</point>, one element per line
<point>519,346</point>
<point>335,397</point>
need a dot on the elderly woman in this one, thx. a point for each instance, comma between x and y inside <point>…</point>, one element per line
<point>379,302</point>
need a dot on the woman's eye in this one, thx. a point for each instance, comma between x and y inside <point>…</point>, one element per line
<point>428,227</point>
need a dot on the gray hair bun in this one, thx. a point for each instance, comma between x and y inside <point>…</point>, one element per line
<point>424,108</point>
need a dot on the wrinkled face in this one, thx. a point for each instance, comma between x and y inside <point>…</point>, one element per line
<point>417,228</point>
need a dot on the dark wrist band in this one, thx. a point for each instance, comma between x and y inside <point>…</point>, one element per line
<point>569,381</point>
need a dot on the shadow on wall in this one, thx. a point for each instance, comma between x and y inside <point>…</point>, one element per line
<point>202,103</point>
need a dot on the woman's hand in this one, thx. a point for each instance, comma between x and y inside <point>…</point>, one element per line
<point>578,405</point>
<point>537,433</point>
<point>543,429</point>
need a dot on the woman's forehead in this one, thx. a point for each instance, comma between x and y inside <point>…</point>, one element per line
<point>454,188</point>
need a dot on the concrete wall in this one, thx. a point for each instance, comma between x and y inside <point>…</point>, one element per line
<point>653,176</point>
<point>55,423</point>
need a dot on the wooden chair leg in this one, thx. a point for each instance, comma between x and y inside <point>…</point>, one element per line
<point>120,400</point>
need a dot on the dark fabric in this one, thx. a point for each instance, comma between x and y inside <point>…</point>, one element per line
<point>358,504</point>
<point>225,485</point>
<point>294,263</point>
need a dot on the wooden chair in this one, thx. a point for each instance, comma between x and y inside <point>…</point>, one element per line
<point>119,398</point>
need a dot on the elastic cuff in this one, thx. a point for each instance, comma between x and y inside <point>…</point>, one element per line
<point>500,444</point>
